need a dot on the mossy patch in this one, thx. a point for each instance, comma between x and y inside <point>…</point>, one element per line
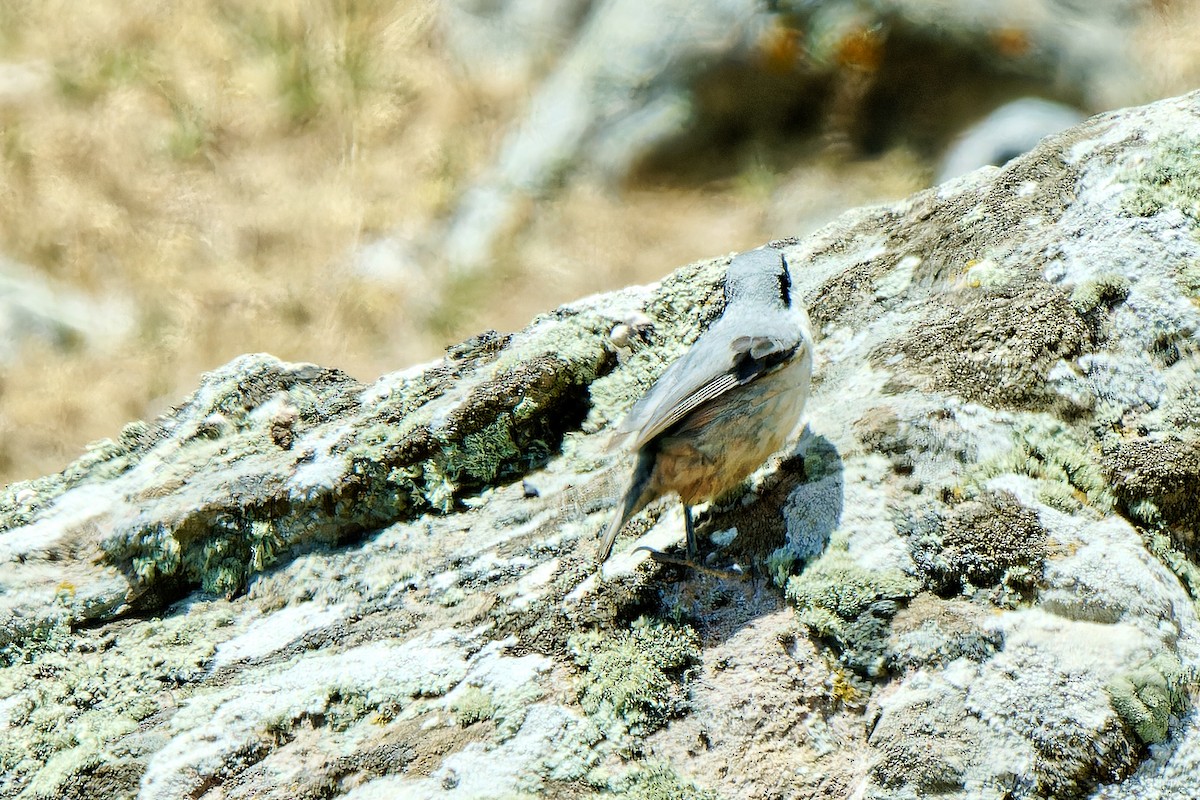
<point>851,606</point>
<point>635,680</point>
<point>992,345</point>
<point>75,693</point>
<point>1068,469</point>
<point>1146,696</point>
<point>1101,291</point>
<point>474,705</point>
<point>1168,178</point>
<point>505,709</point>
<point>780,565</point>
<point>978,543</point>
<point>657,780</point>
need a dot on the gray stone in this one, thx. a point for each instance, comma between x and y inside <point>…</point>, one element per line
<point>298,585</point>
<point>635,82</point>
<point>36,309</point>
<point>1004,134</point>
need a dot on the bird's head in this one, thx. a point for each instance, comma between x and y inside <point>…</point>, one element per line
<point>760,277</point>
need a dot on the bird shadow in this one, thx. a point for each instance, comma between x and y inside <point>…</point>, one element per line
<point>785,523</point>
<point>796,508</point>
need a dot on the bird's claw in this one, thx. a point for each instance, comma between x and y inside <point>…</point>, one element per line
<point>664,558</point>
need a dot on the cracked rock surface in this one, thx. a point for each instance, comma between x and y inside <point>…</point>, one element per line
<point>974,576</point>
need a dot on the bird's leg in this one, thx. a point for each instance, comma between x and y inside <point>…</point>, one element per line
<point>691,559</point>
<point>690,528</point>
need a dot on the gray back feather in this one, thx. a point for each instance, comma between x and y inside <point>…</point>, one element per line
<point>761,325</point>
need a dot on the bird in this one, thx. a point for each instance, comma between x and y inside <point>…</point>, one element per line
<point>725,406</point>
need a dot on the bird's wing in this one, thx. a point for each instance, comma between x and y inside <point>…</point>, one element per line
<point>702,375</point>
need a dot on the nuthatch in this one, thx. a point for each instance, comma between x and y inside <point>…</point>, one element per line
<point>726,405</point>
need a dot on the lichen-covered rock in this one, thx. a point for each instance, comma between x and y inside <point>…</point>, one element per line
<point>978,543</point>
<point>853,606</point>
<point>993,345</point>
<point>1147,696</point>
<point>1157,479</point>
<point>635,680</point>
<point>975,575</point>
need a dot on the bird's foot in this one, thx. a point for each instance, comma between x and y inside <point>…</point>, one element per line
<point>663,558</point>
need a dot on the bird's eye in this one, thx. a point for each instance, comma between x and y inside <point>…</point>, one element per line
<point>785,287</point>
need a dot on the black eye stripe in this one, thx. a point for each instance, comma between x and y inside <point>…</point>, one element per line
<point>785,288</point>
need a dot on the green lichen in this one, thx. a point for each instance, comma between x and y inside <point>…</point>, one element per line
<point>218,506</point>
<point>220,558</point>
<point>504,708</point>
<point>635,680</point>
<point>73,693</point>
<point>690,295</point>
<point>657,780</point>
<point>340,712</point>
<point>511,707</point>
<point>1103,290</point>
<point>1048,450</point>
<point>851,605</point>
<point>1168,178</point>
<point>821,460</point>
<point>52,635</point>
<point>1060,496</point>
<point>348,706</point>
<point>1188,277</point>
<point>473,705</point>
<point>479,457</point>
<point>780,564</point>
<point>511,420</point>
<point>1161,546</point>
<point>515,421</point>
<point>1146,696</point>
<point>1146,512</point>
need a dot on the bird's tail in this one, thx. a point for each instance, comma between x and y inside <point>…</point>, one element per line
<point>637,496</point>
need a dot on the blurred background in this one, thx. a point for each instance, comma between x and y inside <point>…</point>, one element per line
<point>361,183</point>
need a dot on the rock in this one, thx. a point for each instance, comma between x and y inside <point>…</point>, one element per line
<point>620,89</point>
<point>635,84</point>
<point>974,575</point>
<point>1004,134</point>
<point>33,308</point>
<point>507,43</point>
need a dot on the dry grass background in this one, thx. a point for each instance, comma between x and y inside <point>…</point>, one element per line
<point>217,162</point>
